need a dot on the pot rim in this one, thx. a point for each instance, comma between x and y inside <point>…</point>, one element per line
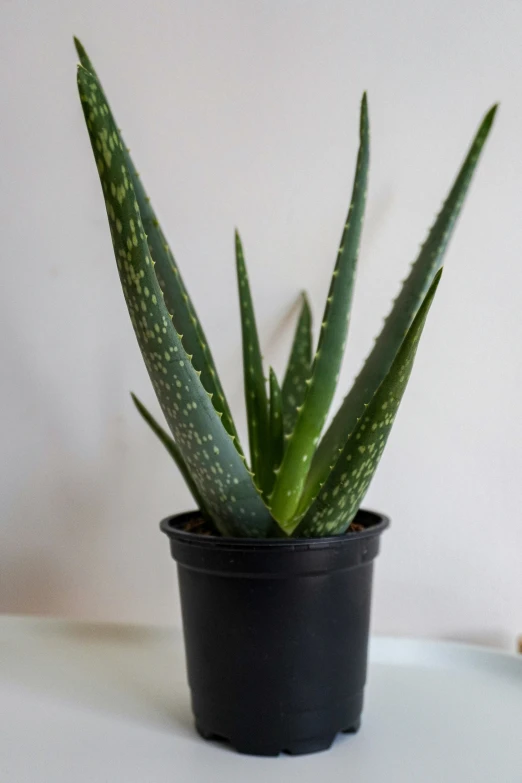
<point>170,526</point>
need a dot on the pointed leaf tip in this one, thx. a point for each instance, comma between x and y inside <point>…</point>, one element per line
<point>323,373</point>
<point>253,375</point>
<point>125,213</point>
<point>305,301</point>
<point>173,293</point>
<point>406,304</point>
<point>488,120</point>
<point>80,50</point>
<point>363,122</point>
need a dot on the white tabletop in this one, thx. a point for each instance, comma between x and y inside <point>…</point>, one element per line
<point>109,704</point>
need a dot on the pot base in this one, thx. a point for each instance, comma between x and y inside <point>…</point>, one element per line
<point>289,734</point>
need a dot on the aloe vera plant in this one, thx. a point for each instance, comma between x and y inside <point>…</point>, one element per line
<point>299,480</point>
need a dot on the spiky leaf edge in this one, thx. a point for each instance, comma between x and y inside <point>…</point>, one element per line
<point>218,470</point>
<point>277,444</point>
<point>254,380</point>
<point>406,305</point>
<point>298,369</point>
<point>285,498</point>
<point>339,499</point>
<point>171,282</point>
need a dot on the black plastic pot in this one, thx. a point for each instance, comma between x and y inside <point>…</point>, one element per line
<point>276,634</point>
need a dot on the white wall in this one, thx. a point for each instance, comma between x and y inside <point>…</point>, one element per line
<point>246,114</point>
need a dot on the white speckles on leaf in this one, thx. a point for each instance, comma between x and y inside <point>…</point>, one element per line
<point>193,410</point>
<point>366,443</point>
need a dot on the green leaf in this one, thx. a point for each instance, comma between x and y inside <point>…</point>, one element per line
<point>300,447</point>
<point>173,450</point>
<point>406,305</point>
<point>299,368</point>
<point>176,296</point>
<point>218,470</point>
<point>276,425</point>
<point>254,380</point>
<point>340,497</point>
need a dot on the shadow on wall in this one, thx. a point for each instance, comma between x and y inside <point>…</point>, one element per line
<point>58,524</point>
<point>62,495</point>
